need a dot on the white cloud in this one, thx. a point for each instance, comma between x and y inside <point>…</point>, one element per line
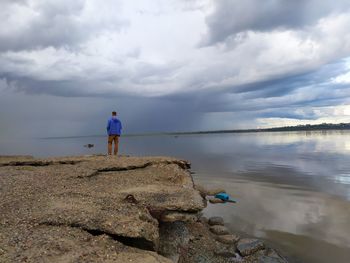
<point>34,24</point>
<point>166,41</point>
<point>331,114</point>
<point>344,78</point>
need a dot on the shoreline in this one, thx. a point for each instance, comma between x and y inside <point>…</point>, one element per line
<point>94,208</point>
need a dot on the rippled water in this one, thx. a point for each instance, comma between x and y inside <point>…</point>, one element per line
<point>293,189</point>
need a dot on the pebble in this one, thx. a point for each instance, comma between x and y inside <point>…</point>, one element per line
<point>216,220</point>
<point>248,246</point>
<point>225,251</point>
<point>219,230</point>
<point>227,239</point>
<point>216,201</point>
<point>215,191</point>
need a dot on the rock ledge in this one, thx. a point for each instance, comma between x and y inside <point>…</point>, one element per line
<point>109,209</point>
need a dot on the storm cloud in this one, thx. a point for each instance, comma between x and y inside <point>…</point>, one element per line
<point>231,17</point>
<point>172,65</point>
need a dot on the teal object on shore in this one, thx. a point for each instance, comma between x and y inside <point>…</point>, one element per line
<point>224,197</point>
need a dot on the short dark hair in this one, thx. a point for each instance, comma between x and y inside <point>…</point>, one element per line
<point>114,113</point>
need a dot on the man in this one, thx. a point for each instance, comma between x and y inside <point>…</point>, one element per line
<point>114,127</point>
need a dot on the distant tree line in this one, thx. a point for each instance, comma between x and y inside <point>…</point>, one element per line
<point>309,127</point>
<point>306,127</point>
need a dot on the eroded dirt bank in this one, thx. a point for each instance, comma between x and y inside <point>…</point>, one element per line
<point>99,209</point>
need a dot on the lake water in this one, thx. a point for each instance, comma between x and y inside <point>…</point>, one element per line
<point>292,188</point>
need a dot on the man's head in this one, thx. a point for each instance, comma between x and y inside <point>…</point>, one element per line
<point>114,113</point>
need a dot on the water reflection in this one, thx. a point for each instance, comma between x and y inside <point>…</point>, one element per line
<point>293,189</point>
<point>293,193</point>
<point>263,207</point>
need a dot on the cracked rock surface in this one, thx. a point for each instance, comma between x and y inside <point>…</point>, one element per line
<point>91,208</point>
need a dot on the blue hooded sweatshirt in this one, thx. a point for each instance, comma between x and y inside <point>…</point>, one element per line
<point>114,126</point>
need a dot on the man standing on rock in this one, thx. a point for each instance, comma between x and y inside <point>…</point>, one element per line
<point>114,128</point>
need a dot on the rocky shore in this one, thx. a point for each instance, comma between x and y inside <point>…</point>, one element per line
<point>107,209</point>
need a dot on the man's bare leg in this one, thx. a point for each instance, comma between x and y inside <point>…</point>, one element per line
<point>116,145</point>
<point>109,146</point>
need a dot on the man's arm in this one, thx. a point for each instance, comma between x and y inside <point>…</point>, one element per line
<point>108,125</point>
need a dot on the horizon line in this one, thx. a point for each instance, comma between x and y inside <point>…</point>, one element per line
<point>299,127</point>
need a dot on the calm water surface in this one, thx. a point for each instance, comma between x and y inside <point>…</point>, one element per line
<point>293,189</point>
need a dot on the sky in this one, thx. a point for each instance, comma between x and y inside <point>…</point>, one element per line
<point>167,65</point>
